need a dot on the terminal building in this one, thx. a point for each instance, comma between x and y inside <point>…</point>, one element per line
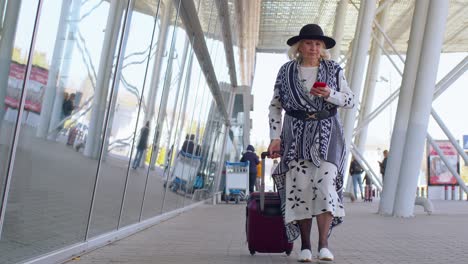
<point>80,79</point>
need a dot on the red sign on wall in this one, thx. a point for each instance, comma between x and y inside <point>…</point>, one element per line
<point>439,174</point>
<point>36,85</point>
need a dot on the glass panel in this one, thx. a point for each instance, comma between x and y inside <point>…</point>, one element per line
<point>178,80</point>
<point>60,141</point>
<point>15,44</point>
<point>192,97</point>
<point>125,120</point>
<point>156,114</point>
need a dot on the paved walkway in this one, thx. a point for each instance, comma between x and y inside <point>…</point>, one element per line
<point>215,234</point>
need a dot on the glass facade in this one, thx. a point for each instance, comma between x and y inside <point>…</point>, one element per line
<point>110,122</point>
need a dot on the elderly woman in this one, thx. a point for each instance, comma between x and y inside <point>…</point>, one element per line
<point>310,142</point>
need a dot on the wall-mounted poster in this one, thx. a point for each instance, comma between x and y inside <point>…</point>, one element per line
<point>439,173</point>
<point>465,142</point>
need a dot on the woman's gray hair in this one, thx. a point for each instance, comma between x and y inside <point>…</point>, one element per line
<point>294,54</point>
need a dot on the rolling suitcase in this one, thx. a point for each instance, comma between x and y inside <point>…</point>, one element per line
<point>264,222</point>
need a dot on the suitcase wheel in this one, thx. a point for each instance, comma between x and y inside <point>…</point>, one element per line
<point>288,252</point>
<point>252,252</point>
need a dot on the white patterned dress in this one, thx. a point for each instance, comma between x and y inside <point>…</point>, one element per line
<point>310,190</point>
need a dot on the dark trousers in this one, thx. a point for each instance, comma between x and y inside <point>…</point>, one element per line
<point>252,180</point>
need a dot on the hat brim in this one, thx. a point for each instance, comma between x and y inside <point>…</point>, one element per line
<point>329,42</point>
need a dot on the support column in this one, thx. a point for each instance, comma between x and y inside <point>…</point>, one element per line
<point>361,47</point>
<point>53,77</point>
<point>6,49</point>
<point>371,80</point>
<point>247,106</point>
<point>219,172</point>
<point>118,73</point>
<point>338,28</point>
<point>402,116</point>
<point>102,83</point>
<point>178,90</point>
<point>66,60</point>
<point>421,108</point>
<point>162,113</point>
<point>160,48</point>
<point>2,14</point>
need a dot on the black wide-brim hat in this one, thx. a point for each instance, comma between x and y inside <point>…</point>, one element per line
<point>312,31</point>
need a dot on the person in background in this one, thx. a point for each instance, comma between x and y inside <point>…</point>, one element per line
<point>368,188</point>
<point>68,105</point>
<point>355,170</point>
<point>250,156</point>
<point>189,145</point>
<point>310,141</point>
<point>142,144</point>
<point>383,164</point>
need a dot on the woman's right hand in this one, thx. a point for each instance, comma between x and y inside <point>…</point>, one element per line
<point>274,148</point>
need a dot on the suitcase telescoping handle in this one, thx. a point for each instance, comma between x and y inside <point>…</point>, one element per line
<point>264,155</point>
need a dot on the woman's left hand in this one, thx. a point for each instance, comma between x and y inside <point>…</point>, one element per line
<point>320,91</point>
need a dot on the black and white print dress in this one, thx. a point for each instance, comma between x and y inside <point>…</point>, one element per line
<point>309,190</point>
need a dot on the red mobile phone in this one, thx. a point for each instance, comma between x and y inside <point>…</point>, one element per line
<point>319,84</point>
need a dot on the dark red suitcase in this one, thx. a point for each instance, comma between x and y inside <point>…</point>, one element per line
<point>265,228</point>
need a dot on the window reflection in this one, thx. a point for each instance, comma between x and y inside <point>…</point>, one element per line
<point>84,112</point>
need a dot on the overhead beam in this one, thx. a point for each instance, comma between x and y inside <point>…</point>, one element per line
<point>189,16</point>
<point>223,11</point>
<point>241,35</point>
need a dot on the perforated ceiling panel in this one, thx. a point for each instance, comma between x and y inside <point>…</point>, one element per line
<point>280,20</point>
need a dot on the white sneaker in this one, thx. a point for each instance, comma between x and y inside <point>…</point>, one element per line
<point>325,254</point>
<point>305,256</point>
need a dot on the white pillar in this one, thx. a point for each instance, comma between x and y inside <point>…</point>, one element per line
<point>66,61</point>
<point>2,14</point>
<point>118,73</point>
<point>400,126</point>
<point>6,49</point>
<point>162,113</point>
<point>160,48</point>
<point>361,47</point>
<point>52,79</point>
<point>103,77</point>
<point>219,172</point>
<point>338,28</point>
<point>247,106</point>
<point>371,79</point>
<point>178,90</point>
<point>421,108</point>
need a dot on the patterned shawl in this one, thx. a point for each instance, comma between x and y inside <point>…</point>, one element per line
<point>309,140</point>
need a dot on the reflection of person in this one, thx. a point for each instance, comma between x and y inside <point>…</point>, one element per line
<point>383,163</point>
<point>251,157</point>
<point>190,147</point>
<point>68,105</point>
<point>355,170</point>
<point>67,108</point>
<point>142,144</point>
<point>368,180</point>
<point>312,147</point>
